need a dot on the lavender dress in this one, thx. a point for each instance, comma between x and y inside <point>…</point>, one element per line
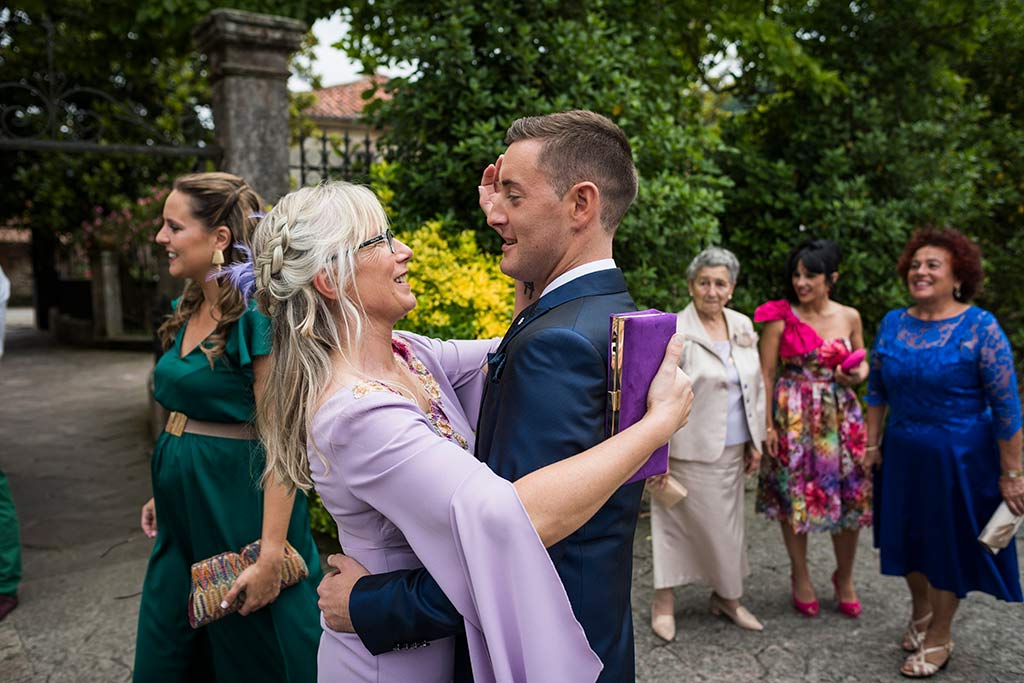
<point>406,492</point>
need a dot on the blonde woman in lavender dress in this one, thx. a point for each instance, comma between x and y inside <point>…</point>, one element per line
<point>381,423</point>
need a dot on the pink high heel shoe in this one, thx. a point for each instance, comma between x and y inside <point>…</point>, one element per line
<point>808,609</point>
<point>850,609</point>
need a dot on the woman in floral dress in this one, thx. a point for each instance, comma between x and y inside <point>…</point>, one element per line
<point>814,478</point>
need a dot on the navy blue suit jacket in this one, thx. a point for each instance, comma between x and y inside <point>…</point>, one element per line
<point>545,400</point>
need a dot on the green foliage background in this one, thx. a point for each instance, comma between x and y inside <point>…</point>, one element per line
<point>755,125</point>
<point>141,55</point>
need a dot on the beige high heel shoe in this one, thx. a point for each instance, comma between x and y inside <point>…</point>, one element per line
<point>740,616</point>
<point>664,623</point>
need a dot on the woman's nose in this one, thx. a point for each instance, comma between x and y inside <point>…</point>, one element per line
<point>402,250</point>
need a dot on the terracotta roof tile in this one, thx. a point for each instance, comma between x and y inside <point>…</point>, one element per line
<point>345,101</point>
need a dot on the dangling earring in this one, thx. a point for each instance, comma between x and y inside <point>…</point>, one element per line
<point>218,258</point>
<point>956,292</point>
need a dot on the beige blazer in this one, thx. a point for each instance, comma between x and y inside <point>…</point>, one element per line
<point>703,437</point>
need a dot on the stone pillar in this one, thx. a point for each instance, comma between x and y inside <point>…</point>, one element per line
<point>248,55</point>
<point>113,314</point>
<point>107,311</point>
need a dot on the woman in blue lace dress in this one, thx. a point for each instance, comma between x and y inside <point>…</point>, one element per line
<point>943,371</point>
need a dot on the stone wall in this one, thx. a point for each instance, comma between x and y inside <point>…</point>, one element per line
<point>16,260</point>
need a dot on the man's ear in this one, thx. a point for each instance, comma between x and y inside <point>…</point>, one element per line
<point>322,283</point>
<point>586,200</point>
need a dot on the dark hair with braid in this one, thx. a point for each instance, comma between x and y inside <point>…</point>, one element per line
<point>216,199</point>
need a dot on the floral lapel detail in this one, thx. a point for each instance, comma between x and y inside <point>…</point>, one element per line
<point>438,420</point>
<point>744,338</point>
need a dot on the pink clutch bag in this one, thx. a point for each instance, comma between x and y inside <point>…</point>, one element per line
<point>853,360</point>
<point>835,354</point>
<point>636,346</point>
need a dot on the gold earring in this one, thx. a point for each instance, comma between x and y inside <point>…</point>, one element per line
<point>218,258</point>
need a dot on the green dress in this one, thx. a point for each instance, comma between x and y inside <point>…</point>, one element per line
<point>10,543</point>
<point>208,501</point>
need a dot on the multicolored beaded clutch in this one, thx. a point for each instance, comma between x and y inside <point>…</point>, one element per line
<point>212,579</point>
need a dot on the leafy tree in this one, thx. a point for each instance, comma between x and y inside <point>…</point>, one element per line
<point>156,92</point>
<point>130,75</point>
<point>754,124</point>
<point>992,72</point>
<point>148,96</point>
<point>911,136</point>
<point>478,66</point>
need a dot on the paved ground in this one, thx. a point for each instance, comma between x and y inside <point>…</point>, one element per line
<point>74,442</point>
<point>74,445</point>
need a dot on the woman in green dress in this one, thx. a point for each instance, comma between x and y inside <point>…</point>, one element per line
<point>207,466</point>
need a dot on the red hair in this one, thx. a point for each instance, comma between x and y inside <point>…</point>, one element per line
<point>964,254</point>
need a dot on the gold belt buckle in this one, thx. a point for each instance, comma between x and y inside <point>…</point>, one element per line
<point>176,423</point>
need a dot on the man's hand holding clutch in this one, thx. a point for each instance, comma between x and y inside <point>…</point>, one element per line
<point>670,396</point>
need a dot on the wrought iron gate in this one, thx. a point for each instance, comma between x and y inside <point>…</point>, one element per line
<point>44,113</point>
<point>334,157</point>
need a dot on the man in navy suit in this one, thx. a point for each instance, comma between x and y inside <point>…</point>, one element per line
<point>557,197</point>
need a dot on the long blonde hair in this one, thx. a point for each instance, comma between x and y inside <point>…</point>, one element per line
<point>216,199</point>
<point>311,230</point>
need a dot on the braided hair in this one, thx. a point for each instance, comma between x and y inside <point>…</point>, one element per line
<point>310,231</point>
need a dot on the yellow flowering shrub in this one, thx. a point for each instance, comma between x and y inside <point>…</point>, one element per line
<point>460,292</point>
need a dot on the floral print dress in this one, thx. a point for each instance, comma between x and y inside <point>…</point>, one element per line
<point>818,481</point>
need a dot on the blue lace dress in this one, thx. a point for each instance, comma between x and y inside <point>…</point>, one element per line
<point>951,391</point>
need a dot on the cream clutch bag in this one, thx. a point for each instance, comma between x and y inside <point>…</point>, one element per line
<point>670,494</point>
<point>1000,529</point>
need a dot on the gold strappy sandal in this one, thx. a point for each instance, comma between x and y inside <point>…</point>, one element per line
<point>920,667</point>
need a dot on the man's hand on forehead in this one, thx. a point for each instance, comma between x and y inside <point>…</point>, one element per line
<point>489,185</point>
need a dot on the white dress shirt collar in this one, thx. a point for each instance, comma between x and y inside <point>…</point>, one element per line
<point>578,272</point>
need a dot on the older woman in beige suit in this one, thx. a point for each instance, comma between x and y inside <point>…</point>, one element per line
<point>701,538</point>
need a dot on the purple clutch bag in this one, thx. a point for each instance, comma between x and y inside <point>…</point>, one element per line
<point>636,346</point>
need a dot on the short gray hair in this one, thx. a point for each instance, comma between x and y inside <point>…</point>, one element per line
<point>714,257</point>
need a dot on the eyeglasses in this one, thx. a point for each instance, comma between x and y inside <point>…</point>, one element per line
<point>385,236</point>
